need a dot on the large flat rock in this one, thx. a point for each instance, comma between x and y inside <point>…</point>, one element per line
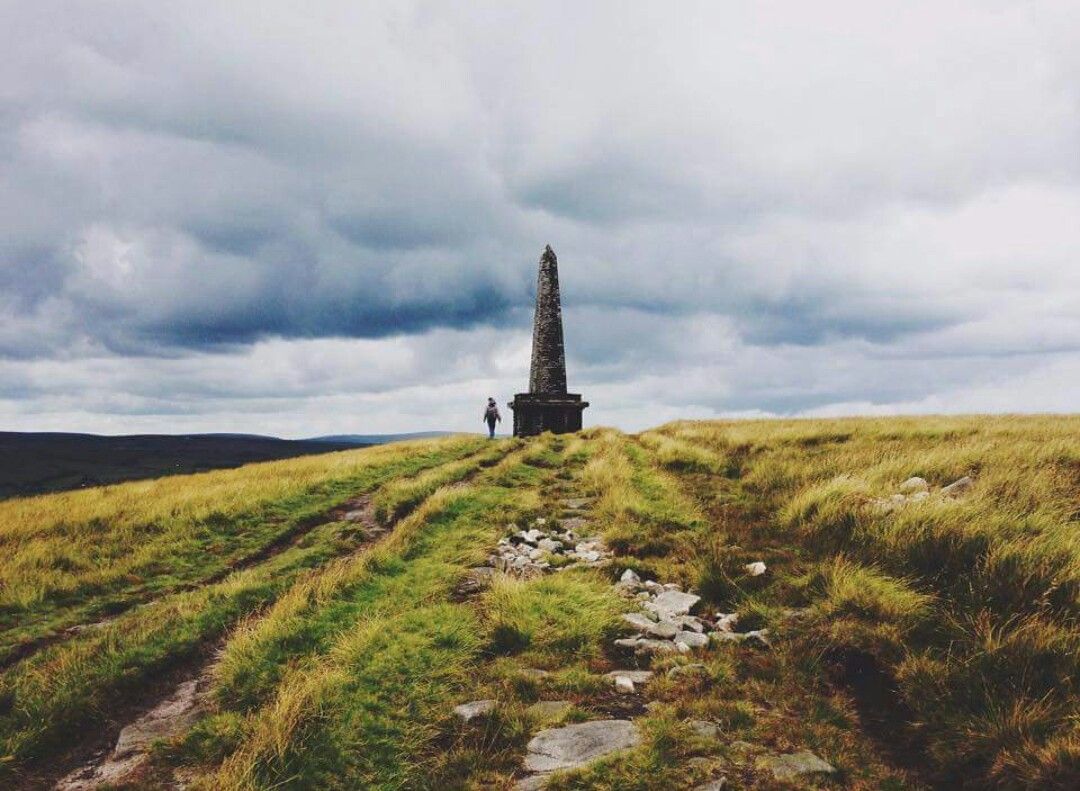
<point>672,602</point>
<point>576,745</point>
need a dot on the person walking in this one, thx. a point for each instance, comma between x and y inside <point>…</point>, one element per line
<point>492,416</point>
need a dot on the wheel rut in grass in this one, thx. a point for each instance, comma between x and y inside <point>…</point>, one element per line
<point>359,510</point>
<point>120,752</point>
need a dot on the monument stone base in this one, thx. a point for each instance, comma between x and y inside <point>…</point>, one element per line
<point>535,413</point>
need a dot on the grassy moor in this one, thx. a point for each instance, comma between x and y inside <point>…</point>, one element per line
<point>858,603</point>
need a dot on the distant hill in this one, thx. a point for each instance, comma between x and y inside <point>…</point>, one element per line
<point>378,439</point>
<point>33,463</point>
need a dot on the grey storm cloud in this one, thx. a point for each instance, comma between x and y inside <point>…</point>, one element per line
<point>792,205</point>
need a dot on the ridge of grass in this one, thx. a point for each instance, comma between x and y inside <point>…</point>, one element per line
<point>76,557</point>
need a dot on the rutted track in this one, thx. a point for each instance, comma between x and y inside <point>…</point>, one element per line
<point>280,543</point>
<point>94,760</point>
<point>119,753</point>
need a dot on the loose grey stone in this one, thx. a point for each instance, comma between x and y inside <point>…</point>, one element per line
<point>655,647</point>
<point>692,639</point>
<point>759,636</point>
<point>628,642</point>
<point>725,622</point>
<point>755,569</point>
<point>169,718</point>
<point>467,712</point>
<point>638,621</point>
<point>791,765</point>
<point>637,676</point>
<point>630,576</point>
<point>956,488</point>
<point>576,503</point>
<point>624,685</point>
<point>575,523</point>
<point>676,602</point>
<point>578,744</point>
<point>475,580</point>
<point>914,484</point>
<point>691,623</point>
<point>664,630</point>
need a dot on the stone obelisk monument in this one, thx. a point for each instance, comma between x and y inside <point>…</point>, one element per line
<point>547,406</point>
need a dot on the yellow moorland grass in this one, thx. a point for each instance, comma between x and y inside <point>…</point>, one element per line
<point>966,607</point>
<point>642,508</point>
<point>61,543</point>
<point>989,578</point>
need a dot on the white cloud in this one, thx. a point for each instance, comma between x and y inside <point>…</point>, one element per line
<point>226,216</point>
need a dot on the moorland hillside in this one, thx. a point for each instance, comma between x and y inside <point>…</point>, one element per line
<point>860,603</point>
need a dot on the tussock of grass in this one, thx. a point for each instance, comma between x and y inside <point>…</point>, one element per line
<point>552,619</point>
<point>681,456</point>
<point>864,592</point>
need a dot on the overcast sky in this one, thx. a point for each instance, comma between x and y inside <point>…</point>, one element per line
<point>307,218</point>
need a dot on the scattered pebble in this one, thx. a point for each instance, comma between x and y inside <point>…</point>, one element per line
<point>957,488</point>
<point>725,622</point>
<point>637,676</point>
<point>914,484</point>
<point>526,553</point>
<point>467,712</point>
<point>915,490</point>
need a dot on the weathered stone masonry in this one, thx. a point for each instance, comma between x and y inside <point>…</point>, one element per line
<point>547,406</point>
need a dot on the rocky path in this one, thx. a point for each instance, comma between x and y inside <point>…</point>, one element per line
<point>662,619</point>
